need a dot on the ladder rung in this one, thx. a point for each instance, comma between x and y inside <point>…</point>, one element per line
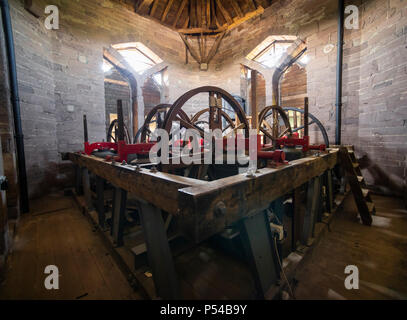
<point>360,179</point>
<point>355,165</point>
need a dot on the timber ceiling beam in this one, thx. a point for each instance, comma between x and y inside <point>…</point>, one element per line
<point>224,12</point>
<point>237,9</point>
<point>166,10</point>
<point>143,6</point>
<point>154,8</point>
<point>180,9</point>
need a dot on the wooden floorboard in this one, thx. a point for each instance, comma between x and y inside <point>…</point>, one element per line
<point>56,233</point>
<point>379,252</point>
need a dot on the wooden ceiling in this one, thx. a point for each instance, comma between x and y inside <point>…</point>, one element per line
<point>201,16</point>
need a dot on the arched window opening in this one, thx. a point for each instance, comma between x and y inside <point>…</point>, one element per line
<point>269,52</point>
<point>138,56</point>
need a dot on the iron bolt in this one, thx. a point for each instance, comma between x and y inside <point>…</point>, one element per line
<point>220,209</point>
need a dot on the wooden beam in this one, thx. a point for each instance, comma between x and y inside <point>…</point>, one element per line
<point>254,194</point>
<point>166,10</point>
<point>192,13</point>
<point>198,8</point>
<point>154,8</point>
<point>252,5</point>
<point>180,9</point>
<point>224,12</point>
<point>237,9</point>
<point>129,179</point>
<point>143,6</point>
<point>253,99</point>
<point>118,82</point>
<point>201,31</point>
<point>208,13</point>
<point>248,16</point>
<point>215,47</point>
<point>191,50</point>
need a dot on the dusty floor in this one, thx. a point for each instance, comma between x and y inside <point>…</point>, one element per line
<point>379,252</point>
<point>56,233</point>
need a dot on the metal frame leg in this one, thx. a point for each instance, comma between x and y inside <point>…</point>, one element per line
<point>158,251</point>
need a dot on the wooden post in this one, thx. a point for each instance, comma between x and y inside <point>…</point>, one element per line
<point>100,190</point>
<point>86,188</point>
<point>329,191</point>
<point>306,126</point>
<point>118,215</point>
<point>78,181</point>
<point>309,219</point>
<point>158,252</point>
<point>260,250</point>
<point>298,217</point>
<point>253,101</point>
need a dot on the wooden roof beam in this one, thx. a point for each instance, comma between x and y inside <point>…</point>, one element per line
<point>166,10</point>
<point>237,9</point>
<point>224,12</point>
<point>180,9</point>
<point>154,8</point>
<point>143,6</point>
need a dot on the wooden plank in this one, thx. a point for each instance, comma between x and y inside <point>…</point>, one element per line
<point>158,251</point>
<point>100,191</point>
<point>190,48</point>
<point>166,10</point>
<point>224,12</point>
<point>118,215</point>
<point>144,6</point>
<point>86,188</point>
<point>260,250</point>
<point>253,99</point>
<point>128,178</point>
<point>198,203</point>
<point>237,9</point>
<point>215,47</point>
<point>312,207</point>
<point>154,8</point>
<point>354,179</point>
<point>180,9</point>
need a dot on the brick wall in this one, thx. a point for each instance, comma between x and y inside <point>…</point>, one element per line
<point>114,92</point>
<point>375,108</point>
<point>151,95</point>
<point>294,87</point>
<point>60,75</point>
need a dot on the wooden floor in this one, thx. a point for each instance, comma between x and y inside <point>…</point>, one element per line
<point>379,252</point>
<point>56,233</point>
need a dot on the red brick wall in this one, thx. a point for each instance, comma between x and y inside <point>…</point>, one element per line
<point>294,87</point>
<point>151,95</point>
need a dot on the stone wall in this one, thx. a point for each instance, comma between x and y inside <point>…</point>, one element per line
<point>114,91</point>
<point>60,75</point>
<point>61,78</point>
<point>375,108</point>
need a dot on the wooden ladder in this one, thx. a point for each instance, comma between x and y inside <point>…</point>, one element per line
<point>357,184</point>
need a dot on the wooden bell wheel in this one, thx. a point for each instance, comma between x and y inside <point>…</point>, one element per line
<point>215,96</point>
<point>113,128</point>
<point>274,123</point>
<point>201,119</point>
